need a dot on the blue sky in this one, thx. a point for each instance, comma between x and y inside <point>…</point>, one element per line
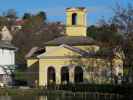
<point>56,8</point>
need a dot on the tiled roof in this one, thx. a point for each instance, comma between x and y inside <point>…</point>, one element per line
<point>7,45</point>
<point>70,40</point>
<point>78,8</point>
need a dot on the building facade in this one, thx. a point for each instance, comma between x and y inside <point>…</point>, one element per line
<point>75,57</point>
<point>7,62</point>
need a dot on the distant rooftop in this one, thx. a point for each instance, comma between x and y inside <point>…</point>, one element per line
<point>7,45</point>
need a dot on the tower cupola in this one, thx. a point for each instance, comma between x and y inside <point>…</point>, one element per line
<point>76,21</point>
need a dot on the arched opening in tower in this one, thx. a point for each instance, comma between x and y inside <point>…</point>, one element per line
<point>74,19</point>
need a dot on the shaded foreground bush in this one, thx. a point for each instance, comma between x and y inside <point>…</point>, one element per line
<point>120,89</point>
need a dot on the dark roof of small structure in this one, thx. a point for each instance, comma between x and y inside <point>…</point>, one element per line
<point>34,52</point>
<point>71,40</point>
<point>7,45</point>
<point>81,8</point>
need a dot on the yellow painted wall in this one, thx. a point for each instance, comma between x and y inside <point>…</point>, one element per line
<point>58,63</point>
<point>76,30</point>
<point>60,51</point>
<point>31,62</point>
<point>80,28</point>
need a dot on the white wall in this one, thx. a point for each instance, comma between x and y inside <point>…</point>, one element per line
<point>7,57</point>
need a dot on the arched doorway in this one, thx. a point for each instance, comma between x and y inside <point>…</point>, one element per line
<point>64,75</point>
<point>78,74</point>
<point>51,75</point>
<point>74,19</point>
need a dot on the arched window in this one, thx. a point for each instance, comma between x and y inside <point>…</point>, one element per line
<point>51,75</point>
<point>64,75</point>
<point>78,74</point>
<point>74,19</point>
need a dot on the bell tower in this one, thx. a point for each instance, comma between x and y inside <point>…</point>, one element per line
<point>76,21</point>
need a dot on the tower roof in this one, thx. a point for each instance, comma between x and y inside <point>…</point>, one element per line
<point>76,8</point>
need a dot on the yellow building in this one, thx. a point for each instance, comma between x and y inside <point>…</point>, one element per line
<point>74,58</point>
